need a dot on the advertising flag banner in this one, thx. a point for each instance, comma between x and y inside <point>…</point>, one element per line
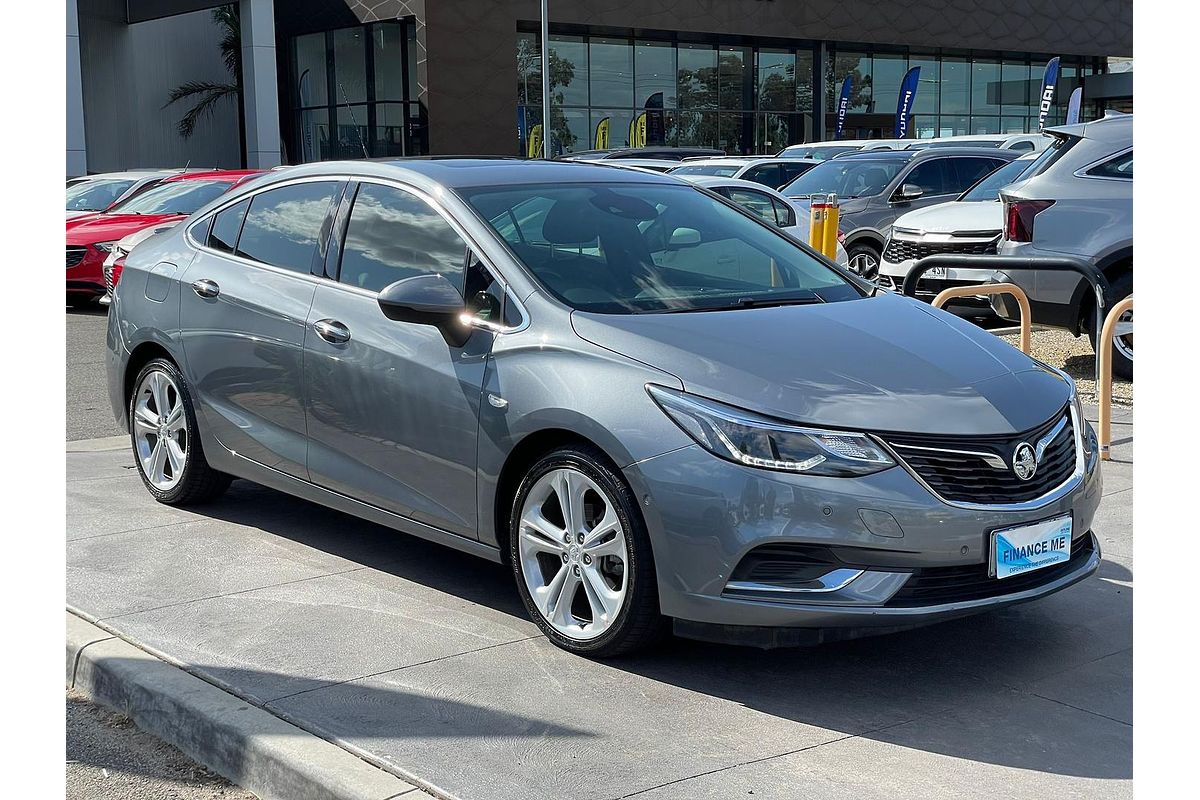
<point>843,106</point>
<point>1073,105</point>
<point>602,134</point>
<point>1049,82</point>
<point>904,103</point>
<point>535,141</point>
<point>637,131</point>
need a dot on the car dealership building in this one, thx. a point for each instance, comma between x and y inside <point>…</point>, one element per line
<point>324,79</point>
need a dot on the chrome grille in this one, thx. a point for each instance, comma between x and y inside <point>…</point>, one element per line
<point>75,255</point>
<point>903,249</point>
<point>979,469</point>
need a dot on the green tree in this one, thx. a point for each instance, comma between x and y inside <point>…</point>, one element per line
<point>529,89</point>
<point>207,95</point>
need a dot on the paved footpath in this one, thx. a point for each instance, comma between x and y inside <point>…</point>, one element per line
<point>421,660</point>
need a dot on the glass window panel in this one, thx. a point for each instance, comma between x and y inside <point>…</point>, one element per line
<point>413,87</point>
<point>226,227</point>
<point>1014,91</point>
<point>756,203</point>
<point>804,80</point>
<point>393,235</point>
<point>858,67</point>
<point>314,135</point>
<point>349,65</point>
<point>571,130</point>
<point>417,136</point>
<point>283,225</point>
<point>735,69</point>
<point>777,131</point>
<point>953,125</point>
<point>887,71</point>
<point>351,140</point>
<point>386,39</point>
<point>654,75</point>
<point>697,76</point>
<point>619,121</point>
<point>981,125</point>
<point>568,71</point>
<point>1013,124</point>
<point>736,136</point>
<point>925,126</point>
<point>698,129</point>
<point>985,87</point>
<point>956,87</point>
<point>529,70</point>
<point>388,137</point>
<point>311,83</point>
<point>934,177</point>
<point>610,64</point>
<point>776,84</point>
<point>928,84</point>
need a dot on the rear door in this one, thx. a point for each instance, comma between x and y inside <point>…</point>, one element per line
<point>244,306</point>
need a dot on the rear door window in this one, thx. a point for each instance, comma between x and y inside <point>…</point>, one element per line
<point>226,226</point>
<point>283,226</point>
<point>1119,167</point>
<point>931,176</point>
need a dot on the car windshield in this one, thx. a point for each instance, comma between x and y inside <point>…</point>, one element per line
<point>718,170</point>
<point>96,195</point>
<point>176,197</point>
<point>987,188</point>
<point>617,248</point>
<point>847,178</point>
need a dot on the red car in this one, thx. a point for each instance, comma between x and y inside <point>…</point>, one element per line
<point>90,238</point>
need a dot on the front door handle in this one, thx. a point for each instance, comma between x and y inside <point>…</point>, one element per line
<point>206,288</point>
<point>332,331</point>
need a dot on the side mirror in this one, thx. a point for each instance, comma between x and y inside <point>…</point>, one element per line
<point>906,192</point>
<point>427,300</point>
<point>684,237</point>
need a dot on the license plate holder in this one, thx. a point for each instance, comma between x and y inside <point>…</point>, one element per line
<point>935,272</point>
<point>1033,546</point>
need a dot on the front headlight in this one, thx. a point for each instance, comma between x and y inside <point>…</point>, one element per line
<point>757,441</point>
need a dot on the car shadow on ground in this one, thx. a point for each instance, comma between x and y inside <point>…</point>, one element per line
<point>993,688</point>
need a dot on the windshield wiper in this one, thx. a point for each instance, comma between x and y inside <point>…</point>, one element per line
<point>754,302</point>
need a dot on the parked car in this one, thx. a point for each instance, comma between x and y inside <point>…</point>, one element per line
<point>668,153</point>
<point>874,188</point>
<point>98,192</point>
<point>652,164</point>
<point>820,151</point>
<point>772,172</point>
<point>1021,142</point>
<point>1079,203</point>
<point>90,239</point>
<point>766,203</point>
<point>970,224</point>
<point>650,405</point>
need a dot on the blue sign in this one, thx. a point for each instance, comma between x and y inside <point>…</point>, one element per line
<point>843,106</point>
<point>1049,83</point>
<point>1073,105</point>
<point>904,104</point>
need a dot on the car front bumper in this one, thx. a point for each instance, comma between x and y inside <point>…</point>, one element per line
<point>893,273</point>
<point>705,515</point>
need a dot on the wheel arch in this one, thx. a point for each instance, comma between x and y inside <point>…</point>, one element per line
<point>141,355</point>
<point>867,236</point>
<point>1114,265</point>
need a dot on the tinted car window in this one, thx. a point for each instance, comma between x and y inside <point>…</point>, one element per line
<point>283,225</point>
<point>969,170</point>
<point>392,235</point>
<point>720,171</point>
<point>847,178</point>
<point>173,197</point>
<point>756,203</point>
<point>931,176</point>
<point>1119,167</point>
<point>792,171</point>
<point>1023,146</point>
<point>766,174</point>
<point>988,187</point>
<point>95,195</point>
<point>226,226</point>
<point>784,214</point>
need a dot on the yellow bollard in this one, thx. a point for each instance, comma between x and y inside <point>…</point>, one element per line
<point>829,241</point>
<point>816,223</point>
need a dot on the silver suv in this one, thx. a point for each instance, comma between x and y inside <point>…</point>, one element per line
<point>1079,202</point>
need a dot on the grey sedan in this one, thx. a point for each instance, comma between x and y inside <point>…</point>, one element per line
<point>654,407</point>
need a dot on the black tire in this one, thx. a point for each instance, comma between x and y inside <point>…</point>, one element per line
<point>867,251</point>
<point>639,624</point>
<point>200,483</point>
<point>1122,366</point>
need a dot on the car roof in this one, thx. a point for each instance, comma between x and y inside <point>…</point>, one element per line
<point>230,175</point>
<point>933,152</point>
<point>710,181</point>
<point>127,174</point>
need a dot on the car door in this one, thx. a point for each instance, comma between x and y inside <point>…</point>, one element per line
<point>393,408</point>
<point>243,314</point>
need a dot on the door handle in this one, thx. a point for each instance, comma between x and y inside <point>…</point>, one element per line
<point>206,288</point>
<point>332,331</point>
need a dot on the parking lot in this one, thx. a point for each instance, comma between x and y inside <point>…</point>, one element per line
<point>422,660</point>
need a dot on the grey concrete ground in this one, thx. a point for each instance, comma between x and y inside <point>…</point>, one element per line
<point>88,411</point>
<point>421,659</point>
<point>108,758</point>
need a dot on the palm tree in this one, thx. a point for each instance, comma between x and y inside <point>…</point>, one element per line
<point>207,94</point>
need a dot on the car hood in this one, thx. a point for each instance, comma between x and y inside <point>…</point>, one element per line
<point>954,217</point>
<point>109,227</point>
<point>886,363</point>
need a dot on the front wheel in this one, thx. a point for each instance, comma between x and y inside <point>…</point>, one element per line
<point>581,556</point>
<point>863,261</point>
<point>1122,341</point>
<point>166,442</point>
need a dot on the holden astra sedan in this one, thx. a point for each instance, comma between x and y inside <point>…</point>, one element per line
<point>90,239</point>
<point>655,407</point>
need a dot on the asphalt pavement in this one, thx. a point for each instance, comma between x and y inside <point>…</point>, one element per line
<point>89,413</point>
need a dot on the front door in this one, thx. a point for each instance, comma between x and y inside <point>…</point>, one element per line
<point>243,311</point>
<point>393,408</point>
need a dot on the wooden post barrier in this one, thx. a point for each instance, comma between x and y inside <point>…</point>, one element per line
<point>994,288</point>
<point>1104,376</point>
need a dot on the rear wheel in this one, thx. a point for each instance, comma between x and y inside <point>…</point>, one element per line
<point>1122,342</point>
<point>166,442</point>
<point>581,556</point>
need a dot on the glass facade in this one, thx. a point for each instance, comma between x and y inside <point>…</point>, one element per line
<point>353,91</point>
<point>616,92</point>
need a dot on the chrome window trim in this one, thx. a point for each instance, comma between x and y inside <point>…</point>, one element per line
<point>322,280</point>
<point>1057,493</point>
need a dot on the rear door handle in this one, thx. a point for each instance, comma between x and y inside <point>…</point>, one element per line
<point>206,288</point>
<point>332,331</point>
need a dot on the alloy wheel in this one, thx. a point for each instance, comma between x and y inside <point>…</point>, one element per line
<point>573,554</point>
<point>1123,335</point>
<point>865,265</point>
<point>160,430</point>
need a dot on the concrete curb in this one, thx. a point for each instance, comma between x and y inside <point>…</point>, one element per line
<point>98,445</point>
<point>251,747</point>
